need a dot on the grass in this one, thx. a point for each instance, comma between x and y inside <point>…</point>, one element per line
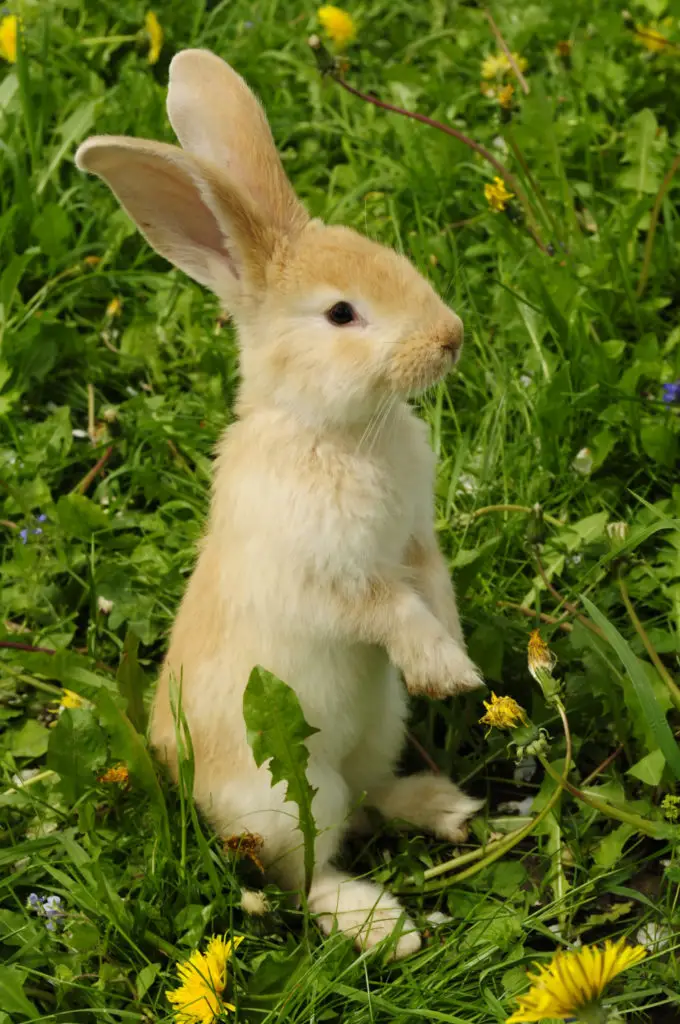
<point>108,421</point>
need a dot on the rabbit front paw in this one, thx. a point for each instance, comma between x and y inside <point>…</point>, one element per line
<point>442,670</point>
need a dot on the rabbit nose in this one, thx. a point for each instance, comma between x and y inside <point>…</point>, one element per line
<point>453,336</point>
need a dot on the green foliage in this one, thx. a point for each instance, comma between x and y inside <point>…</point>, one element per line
<point>108,421</point>
<point>277,731</point>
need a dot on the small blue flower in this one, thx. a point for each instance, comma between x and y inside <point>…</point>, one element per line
<point>33,901</point>
<point>671,393</point>
<point>52,906</point>
<point>51,926</point>
<point>35,531</point>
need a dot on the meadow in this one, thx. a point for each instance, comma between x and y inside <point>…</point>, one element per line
<point>556,237</point>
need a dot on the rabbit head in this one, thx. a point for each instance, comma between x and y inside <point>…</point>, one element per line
<point>330,323</point>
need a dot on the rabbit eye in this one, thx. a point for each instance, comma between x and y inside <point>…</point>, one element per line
<point>341,314</point>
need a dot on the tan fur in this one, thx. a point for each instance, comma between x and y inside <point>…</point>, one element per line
<point>320,560</point>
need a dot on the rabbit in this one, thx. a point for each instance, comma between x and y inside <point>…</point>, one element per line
<point>320,560</point>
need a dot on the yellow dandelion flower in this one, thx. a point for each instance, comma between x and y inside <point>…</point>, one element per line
<point>505,96</point>
<point>494,65</point>
<point>339,26</point>
<point>198,1000</point>
<point>497,195</point>
<point>9,30</point>
<point>69,699</point>
<point>114,307</point>
<point>539,655</point>
<point>503,713</point>
<point>651,39</point>
<point>155,34</point>
<point>118,775</point>
<point>573,980</point>
<point>497,64</point>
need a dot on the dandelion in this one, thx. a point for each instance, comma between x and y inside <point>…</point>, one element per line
<point>247,844</point>
<point>497,64</point>
<point>671,393</point>
<point>505,96</point>
<point>118,774</point>
<point>539,655</point>
<point>497,195</point>
<point>9,27</point>
<point>503,713</point>
<point>254,903</point>
<point>339,26</point>
<point>114,307</point>
<point>574,981</point>
<point>155,34</point>
<point>70,699</point>
<point>198,1000</point>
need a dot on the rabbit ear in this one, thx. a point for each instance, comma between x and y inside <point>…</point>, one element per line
<point>217,117</point>
<point>192,215</point>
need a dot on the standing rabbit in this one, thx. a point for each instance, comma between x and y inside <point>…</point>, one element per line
<point>320,560</point>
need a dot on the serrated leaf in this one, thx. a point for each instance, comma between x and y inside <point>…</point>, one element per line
<point>77,748</point>
<point>277,731</point>
<point>615,912</point>
<point>643,175</point>
<point>610,849</point>
<point>80,517</point>
<point>643,689</point>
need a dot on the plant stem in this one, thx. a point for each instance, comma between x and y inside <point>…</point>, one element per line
<point>673,688</point>
<point>603,767</point>
<point>563,601</point>
<point>513,508</point>
<point>494,851</point>
<point>163,946</point>
<point>85,483</point>
<point>531,614</point>
<point>650,828</point>
<point>649,243</point>
<point>431,764</point>
<point>506,50</point>
<point>502,170</point>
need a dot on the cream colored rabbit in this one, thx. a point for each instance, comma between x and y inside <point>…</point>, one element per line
<point>320,560</point>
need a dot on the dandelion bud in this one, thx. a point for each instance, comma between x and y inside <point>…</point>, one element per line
<point>541,662</point>
<point>617,533</point>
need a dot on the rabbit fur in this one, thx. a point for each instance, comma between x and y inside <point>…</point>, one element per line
<point>320,560</point>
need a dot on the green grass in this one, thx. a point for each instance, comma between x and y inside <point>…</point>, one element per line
<point>564,352</point>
